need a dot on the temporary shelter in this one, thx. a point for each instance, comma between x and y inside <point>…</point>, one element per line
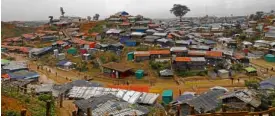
<point>166,73</point>
<point>4,61</point>
<point>61,56</point>
<point>130,43</point>
<point>130,56</point>
<point>72,51</point>
<point>86,57</point>
<point>223,73</point>
<point>167,96</point>
<point>269,58</point>
<point>64,64</point>
<point>139,74</point>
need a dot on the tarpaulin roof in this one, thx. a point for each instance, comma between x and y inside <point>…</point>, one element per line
<point>214,53</point>
<point>4,61</point>
<point>183,59</point>
<point>250,69</point>
<point>159,52</point>
<point>15,65</point>
<point>23,74</point>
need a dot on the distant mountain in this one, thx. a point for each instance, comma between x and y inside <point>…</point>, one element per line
<point>11,30</point>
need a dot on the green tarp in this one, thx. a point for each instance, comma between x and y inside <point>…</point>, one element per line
<point>269,58</point>
<point>4,61</point>
<point>167,96</point>
<point>250,69</point>
<point>130,56</point>
<point>72,50</point>
<point>139,74</point>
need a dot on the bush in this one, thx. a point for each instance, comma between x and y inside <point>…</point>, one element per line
<point>142,48</point>
<point>10,58</point>
<point>252,84</point>
<point>191,73</point>
<point>159,65</point>
<point>11,113</point>
<point>45,97</point>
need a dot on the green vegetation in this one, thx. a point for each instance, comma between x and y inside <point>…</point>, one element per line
<point>35,105</point>
<point>53,28</point>
<point>252,84</point>
<point>142,48</point>
<point>237,67</point>
<point>191,73</point>
<point>98,28</point>
<point>10,30</point>
<point>159,65</point>
<point>11,113</point>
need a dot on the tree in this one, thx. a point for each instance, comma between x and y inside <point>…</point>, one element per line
<point>252,84</point>
<point>259,14</point>
<point>96,17</point>
<point>179,10</point>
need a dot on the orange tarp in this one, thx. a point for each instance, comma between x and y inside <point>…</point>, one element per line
<point>214,53</point>
<point>139,88</point>
<point>159,52</point>
<point>5,76</point>
<point>183,59</point>
<point>169,36</point>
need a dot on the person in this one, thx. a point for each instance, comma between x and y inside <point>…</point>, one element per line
<point>56,74</point>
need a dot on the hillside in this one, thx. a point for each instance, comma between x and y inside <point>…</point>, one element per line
<point>10,30</point>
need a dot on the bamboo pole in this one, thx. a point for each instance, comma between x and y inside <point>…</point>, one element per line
<point>23,112</point>
<point>48,108</point>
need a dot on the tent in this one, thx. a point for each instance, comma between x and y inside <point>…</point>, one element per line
<point>72,50</point>
<point>269,58</point>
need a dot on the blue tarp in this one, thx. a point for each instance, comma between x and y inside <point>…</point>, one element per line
<point>140,30</point>
<point>62,62</point>
<point>209,42</point>
<point>124,13</point>
<point>23,74</point>
<point>130,43</point>
<point>43,51</point>
<point>123,39</point>
<point>268,83</point>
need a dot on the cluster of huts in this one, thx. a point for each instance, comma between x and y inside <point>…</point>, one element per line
<point>17,70</point>
<point>239,100</point>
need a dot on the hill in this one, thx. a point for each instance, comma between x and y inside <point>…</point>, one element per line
<point>10,30</point>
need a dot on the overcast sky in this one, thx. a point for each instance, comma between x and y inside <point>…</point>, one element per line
<point>24,10</point>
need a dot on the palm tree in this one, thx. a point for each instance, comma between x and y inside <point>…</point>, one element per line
<point>179,10</point>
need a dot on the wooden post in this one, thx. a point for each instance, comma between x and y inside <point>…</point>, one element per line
<point>192,110</point>
<point>25,89</point>
<point>48,108</point>
<point>89,112</point>
<point>179,109</point>
<point>23,112</point>
<point>18,88</point>
<point>61,100</point>
<point>223,107</point>
<point>74,113</point>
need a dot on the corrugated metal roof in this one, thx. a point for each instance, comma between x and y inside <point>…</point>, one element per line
<point>247,96</point>
<point>178,49</point>
<point>207,101</point>
<point>129,96</point>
